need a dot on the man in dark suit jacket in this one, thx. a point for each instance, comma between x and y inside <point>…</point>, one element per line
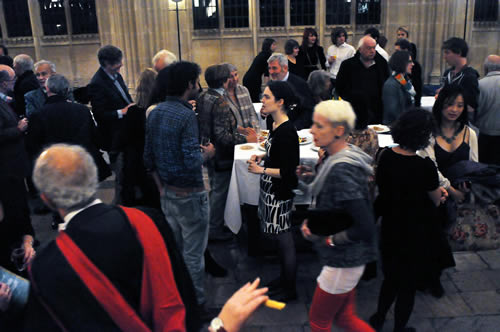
<point>60,121</point>
<point>26,81</point>
<point>109,96</point>
<point>110,102</point>
<point>16,228</point>
<point>301,117</point>
<point>360,81</point>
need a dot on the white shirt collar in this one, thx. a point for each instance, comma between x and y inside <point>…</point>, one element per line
<point>72,214</point>
<point>113,77</point>
<point>286,77</point>
<point>220,91</point>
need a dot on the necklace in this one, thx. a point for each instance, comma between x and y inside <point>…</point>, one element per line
<point>449,140</point>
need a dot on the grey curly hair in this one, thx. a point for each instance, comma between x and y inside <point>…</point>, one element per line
<point>66,175</point>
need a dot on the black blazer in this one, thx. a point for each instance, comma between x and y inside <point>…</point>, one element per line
<point>106,99</point>
<point>24,84</point>
<point>60,121</point>
<point>13,158</point>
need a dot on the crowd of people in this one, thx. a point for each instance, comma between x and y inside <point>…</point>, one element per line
<point>143,268</point>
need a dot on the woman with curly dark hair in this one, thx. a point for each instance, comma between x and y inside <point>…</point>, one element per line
<point>311,54</point>
<point>253,77</point>
<point>413,248</point>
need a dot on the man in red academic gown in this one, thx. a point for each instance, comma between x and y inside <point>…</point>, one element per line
<point>110,268</point>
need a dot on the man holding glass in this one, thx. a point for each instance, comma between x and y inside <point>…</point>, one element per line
<point>219,125</point>
<point>15,224</point>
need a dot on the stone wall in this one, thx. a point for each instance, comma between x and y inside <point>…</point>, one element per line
<point>142,27</point>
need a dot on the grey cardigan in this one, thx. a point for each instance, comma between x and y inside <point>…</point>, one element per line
<point>346,187</point>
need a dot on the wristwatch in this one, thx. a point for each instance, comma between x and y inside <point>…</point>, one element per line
<point>216,325</point>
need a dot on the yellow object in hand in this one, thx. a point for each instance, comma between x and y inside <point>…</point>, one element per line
<point>274,304</point>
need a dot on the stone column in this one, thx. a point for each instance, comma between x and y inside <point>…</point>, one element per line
<point>139,28</point>
<point>36,25</point>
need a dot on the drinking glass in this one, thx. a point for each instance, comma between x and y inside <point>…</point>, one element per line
<point>17,257</point>
<point>205,141</point>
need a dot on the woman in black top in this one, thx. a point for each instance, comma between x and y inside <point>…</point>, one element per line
<point>295,66</point>
<point>311,54</point>
<point>413,247</point>
<point>253,77</point>
<point>277,181</point>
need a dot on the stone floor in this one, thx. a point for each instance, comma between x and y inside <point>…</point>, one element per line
<point>471,302</point>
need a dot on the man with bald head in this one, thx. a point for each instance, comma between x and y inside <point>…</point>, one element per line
<point>360,81</point>
<point>488,112</point>
<point>162,59</point>
<point>13,170</point>
<point>26,81</point>
<point>110,268</point>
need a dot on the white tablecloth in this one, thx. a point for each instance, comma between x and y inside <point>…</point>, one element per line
<point>427,102</point>
<point>244,187</point>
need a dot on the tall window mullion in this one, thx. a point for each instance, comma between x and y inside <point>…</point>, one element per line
<point>368,11</point>
<point>302,12</point>
<point>205,14</point>
<point>338,12</point>
<point>272,13</point>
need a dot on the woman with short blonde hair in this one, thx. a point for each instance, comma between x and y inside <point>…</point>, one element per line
<point>340,188</point>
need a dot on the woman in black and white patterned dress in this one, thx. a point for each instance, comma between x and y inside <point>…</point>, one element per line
<point>277,181</point>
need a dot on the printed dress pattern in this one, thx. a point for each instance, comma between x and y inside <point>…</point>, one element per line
<point>275,215</point>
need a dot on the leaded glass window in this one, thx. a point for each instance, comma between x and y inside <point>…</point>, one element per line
<point>236,13</point>
<point>302,12</point>
<point>368,11</point>
<point>486,11</point>
<point>53,17</point>
<point>338,12</point>
<point>83,16</point>
<point>17,18</point>
<point>205,14</point>
<point>272,13</point>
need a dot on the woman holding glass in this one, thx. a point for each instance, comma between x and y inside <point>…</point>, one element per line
<point>340,185</point>
<point>277,181</point>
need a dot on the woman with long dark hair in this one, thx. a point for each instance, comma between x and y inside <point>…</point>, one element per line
<point>311,54</point>
<point>253,77</point>
<point>277,181</point>
<point>454,140</point>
